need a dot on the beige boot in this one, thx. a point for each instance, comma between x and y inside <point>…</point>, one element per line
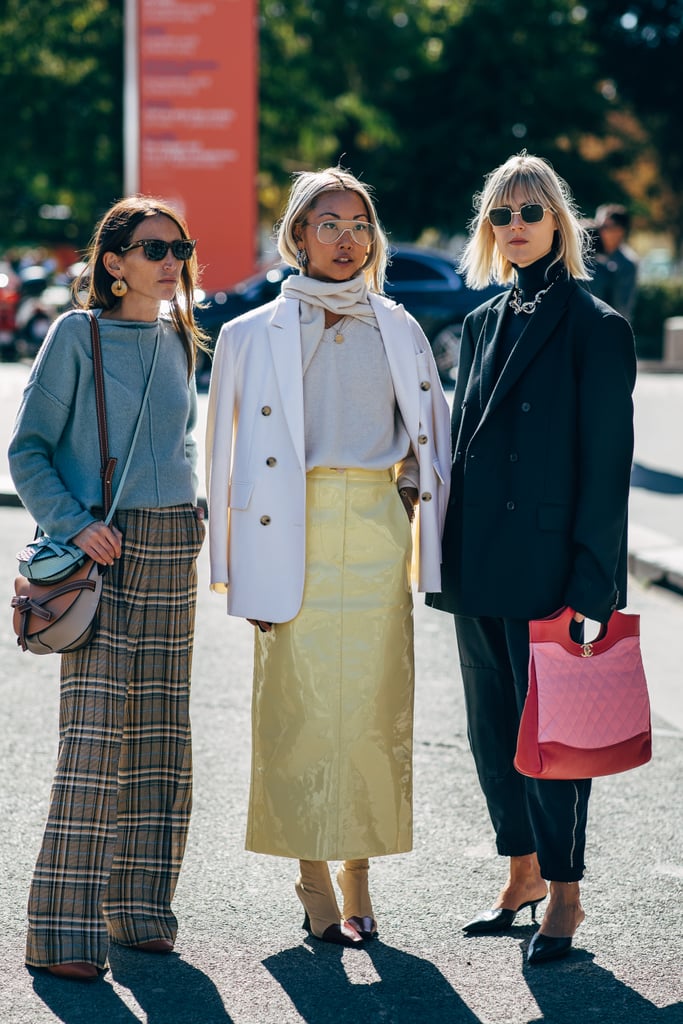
<point>314,889</point>
<point>352,878</point>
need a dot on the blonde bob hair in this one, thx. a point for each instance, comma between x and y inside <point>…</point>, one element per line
<point>526,179</point>
<point>307,188</point>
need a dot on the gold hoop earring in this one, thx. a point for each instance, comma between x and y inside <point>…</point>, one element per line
<point>119,287</point>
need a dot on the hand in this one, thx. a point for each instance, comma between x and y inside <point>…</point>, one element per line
<point>409,498</point>
<point>578,617</point>
<point>101,542</point>
<point>199,513</point>
<point>265,627</point>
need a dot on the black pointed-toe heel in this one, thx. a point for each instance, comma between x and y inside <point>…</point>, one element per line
<point>547,947</point>
<point>498,919</point>
<point>343,934</point>
<point>365,926</point>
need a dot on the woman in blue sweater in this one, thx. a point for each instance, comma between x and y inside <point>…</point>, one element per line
<point>120,803</point>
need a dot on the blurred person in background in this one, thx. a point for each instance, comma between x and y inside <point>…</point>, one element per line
<point>615,262</point>
<point>542,432</point>
<point>327,428</point>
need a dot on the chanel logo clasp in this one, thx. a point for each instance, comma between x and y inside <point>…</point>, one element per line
<point>586,650</point>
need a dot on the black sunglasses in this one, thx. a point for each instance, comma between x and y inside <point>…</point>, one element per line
<point>531,213</point>
<point>155,249</point>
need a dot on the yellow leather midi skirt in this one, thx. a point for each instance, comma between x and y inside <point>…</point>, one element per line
<point>332,706</point>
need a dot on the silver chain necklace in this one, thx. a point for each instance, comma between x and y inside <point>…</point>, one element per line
<point>518,307</point>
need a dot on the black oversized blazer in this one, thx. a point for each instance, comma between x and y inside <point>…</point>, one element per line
<point>537,517</point>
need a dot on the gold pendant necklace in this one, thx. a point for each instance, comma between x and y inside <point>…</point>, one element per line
<point>339,336</point>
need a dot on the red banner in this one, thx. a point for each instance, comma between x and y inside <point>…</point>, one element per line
<point>191,132</point>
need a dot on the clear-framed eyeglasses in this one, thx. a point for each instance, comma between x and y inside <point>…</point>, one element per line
<point>330,231</point>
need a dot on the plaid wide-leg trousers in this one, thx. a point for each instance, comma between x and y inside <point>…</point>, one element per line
<point>122,793</point>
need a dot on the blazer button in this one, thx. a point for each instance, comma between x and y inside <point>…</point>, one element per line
<point>271,461</point>
<point>422,439</point>
<point>510,506</point>
<point>426,496</point>
<point>458,456</point>
<point>514,457</point>
<point>264,520</point>
<point>526,406</point>
<point>266,410</point>
<point>425,385</point>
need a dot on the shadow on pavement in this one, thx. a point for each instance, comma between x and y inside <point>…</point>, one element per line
<point>575,989</point>
<point>394,987</point>
<point>82,1003</point>
<point>656,480</point>
<point>167,989</point>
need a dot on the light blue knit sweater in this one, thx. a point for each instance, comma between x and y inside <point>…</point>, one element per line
<point>54,453</point>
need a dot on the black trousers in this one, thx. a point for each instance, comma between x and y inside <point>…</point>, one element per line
<point>541,815</point>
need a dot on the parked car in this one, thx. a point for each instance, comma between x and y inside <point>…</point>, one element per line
<point>429,286</point>
<point>9,299</point>
<point>41,300</point>
<point>424,280</point>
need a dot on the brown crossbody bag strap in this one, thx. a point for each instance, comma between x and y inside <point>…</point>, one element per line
<point>107,464</point>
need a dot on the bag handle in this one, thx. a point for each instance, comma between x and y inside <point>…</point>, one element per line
<point>108,464</point>
<point>555,629</point>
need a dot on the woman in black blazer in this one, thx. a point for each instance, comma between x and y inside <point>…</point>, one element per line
<point>542,433</point>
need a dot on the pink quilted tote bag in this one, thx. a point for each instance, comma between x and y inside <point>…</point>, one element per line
<point>587,710</point>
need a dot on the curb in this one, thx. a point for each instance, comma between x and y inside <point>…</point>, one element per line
<point>655,558</point>
<point>10,499</point>
<point>659,366</point>
<point>8,496</point>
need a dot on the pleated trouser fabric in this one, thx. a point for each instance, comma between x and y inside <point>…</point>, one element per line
<point>121,798</point>
<point>332,712</point>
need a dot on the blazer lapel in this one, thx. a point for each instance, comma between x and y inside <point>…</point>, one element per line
<point>399,346</point>
<point>487,345</point>
<point>537,333</point>
<point>284,336</point>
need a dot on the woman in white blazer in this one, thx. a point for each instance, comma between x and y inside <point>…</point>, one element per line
<point>327,429</point>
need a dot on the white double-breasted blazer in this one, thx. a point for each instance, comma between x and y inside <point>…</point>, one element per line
<point>256,459</point>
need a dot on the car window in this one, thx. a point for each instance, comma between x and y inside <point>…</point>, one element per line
<point>403,268</point>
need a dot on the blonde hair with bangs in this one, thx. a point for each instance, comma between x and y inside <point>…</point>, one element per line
<point>482,262</point>
<point>307,188</point>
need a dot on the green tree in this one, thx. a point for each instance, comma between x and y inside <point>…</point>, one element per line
<point>327,68</point>
<point>61,67</point>
<point>420,97</point>
<point>423,97</point>
<point>641,47</point>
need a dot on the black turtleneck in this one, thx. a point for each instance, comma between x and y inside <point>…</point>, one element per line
<point>530,281</point>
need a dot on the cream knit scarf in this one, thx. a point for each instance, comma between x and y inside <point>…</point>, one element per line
<point>343,298</point>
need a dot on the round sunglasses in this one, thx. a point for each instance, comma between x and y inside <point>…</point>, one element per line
<point>155,249</point>
<point>531,213</point>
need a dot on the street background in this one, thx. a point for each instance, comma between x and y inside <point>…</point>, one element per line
<point>241,955</point>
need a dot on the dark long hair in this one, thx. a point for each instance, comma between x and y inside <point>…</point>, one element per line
<point>92,288</point>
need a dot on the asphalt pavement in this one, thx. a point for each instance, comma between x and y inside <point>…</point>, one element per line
<point>241,956</point>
